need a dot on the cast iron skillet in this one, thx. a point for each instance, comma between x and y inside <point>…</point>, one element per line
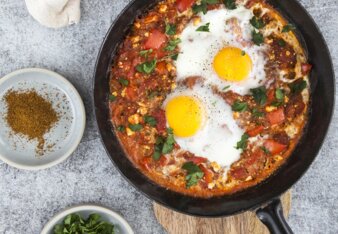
<point>264,198</point>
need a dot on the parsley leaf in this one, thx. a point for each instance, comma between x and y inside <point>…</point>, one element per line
<point>257,38</point>
<point>257,113</point>
<point>135,127</point>
<point>259,94</point>
<point>164,145</point>
<point>194,174</point>
<point>230,4</point>
<point>152,94</point>
<point>226,87</point>
<point>297,86</point>
<point>112,98</point>
<point>150,120</point>
<point>281,43</point>
<point>203,28</point>
<point>145,53</point>
<point>74,223</point>
<point>288,28</point>
<point>123,81</point>
<point>242,52</point>
<point>257,22</point>
<point>170,29</point>
<point>203,6</point>
<point>147,67</point>
<point>279,94</point>
<point>174,56</point>
<point>243,143</point>
<point>172,44</point>
<point>265,150</point>
<point>121,128</point>
<point>239,106</point>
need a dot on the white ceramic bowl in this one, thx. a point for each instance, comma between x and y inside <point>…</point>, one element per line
<point>121,225</point>
<point>16,150</point>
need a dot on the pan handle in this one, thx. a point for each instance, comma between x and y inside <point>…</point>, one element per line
<point>273,218</point>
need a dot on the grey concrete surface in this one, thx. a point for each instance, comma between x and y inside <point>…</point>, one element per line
<point>29,199</point>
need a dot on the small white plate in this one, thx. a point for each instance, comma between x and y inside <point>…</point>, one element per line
<point>64,137</point>
<point>121,225</point>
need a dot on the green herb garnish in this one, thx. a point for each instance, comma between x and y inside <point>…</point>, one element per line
<point>257,113</point>
<point>226,87</point>
<point>279,94</point>
<point>281,43</point>
<point>121,128</point>
<point>242,52</point>
<point>265,150</point>
<point>257,22</point>
<point>147,67</point>
<point>164,145</point>
<point>257,37</point>
<point>112,98</point>
<point>203,6</point>
<point>170,29</point>
<point>145,53</point>
<point>123,81</point>
<point>259,94</point>
<point>172,44</point>
<point>243,143</point>
<point>194,174</point>
<point>288,28</point>
<point>239,106</point>
<point>75,224</point>
<point>150,120</point>
<point>297,87</point>
<point>135,127</point>
<point>152,94</point>
<point>230,4</point>
<point>203,28</point>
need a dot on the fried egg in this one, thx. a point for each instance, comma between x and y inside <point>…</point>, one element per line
<point>203,124</point>
<point>224,56</point>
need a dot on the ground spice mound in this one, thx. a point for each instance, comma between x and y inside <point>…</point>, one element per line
<point>31,115</point>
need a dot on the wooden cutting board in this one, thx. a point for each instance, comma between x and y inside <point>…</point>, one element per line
<point>245,223</point>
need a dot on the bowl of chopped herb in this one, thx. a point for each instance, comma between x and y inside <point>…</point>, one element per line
<point>42,118</point>
<point>87,219</point>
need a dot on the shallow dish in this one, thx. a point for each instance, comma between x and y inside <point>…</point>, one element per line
<point>85,210</point>
<point>16,150</point>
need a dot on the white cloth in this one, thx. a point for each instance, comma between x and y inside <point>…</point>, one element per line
<point>55,13</point>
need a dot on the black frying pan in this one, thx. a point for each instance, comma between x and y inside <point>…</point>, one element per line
<point>264,198</point>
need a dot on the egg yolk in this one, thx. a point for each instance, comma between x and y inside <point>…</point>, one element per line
<point>232,64</point>
<point>184,115</point>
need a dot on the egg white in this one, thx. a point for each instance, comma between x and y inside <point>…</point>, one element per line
<point>219,133</point>
<point>198,49</point>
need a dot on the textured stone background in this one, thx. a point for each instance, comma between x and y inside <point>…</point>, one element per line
<point>29,199</point>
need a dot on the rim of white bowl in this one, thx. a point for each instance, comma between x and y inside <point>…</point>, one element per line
<point>78,101</point>
<point>95,208</point>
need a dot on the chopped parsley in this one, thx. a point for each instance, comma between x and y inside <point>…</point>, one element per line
<point>265,150</point>
<point>172,44</point>
<point>203,6</point>
<point>170,29</point>
<point>257,22</point>
<point>257,113</point>
<point>112,98</point>
<point>243,53</point>
<point>145,53</point>
<point>164,145</point>
<point>226,87</point>
<point>123,81</point>
<point>135,127</point>
<point>279,94</point>
<point>243,143</point>
<point>174,56</point>
<point>297,87</point>
<point>150,120</point>
<point>121,128</point>
<point>230,4</point>
<point>239,106</point>
<point>281,43</point>
<point>194,174</point>
<point>259,94</point>
<point>288,28</point>
<point>203,28</point>
<point>152,94</point>
<point>147,67</point>
<point>257,37</point>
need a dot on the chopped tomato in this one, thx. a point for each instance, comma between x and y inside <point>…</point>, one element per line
<point>161,68</point>
<point>163,160</point>
<point>271,95</point>
<point>276,117</point>
<point>197,160</point>
<point>146,163</point>
<point>131,93</point>
<point>274,147</point>
<point>239,173</point>
<point>183,5</point>
<point>161,125</point>
<point>255,131</point>
<point>155,40</point>
<point>306,68</point>
<point>208,174</point>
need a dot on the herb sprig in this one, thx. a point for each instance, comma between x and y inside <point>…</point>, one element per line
<point>194,174</point>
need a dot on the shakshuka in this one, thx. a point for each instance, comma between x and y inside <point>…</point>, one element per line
<point>209,97</point>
